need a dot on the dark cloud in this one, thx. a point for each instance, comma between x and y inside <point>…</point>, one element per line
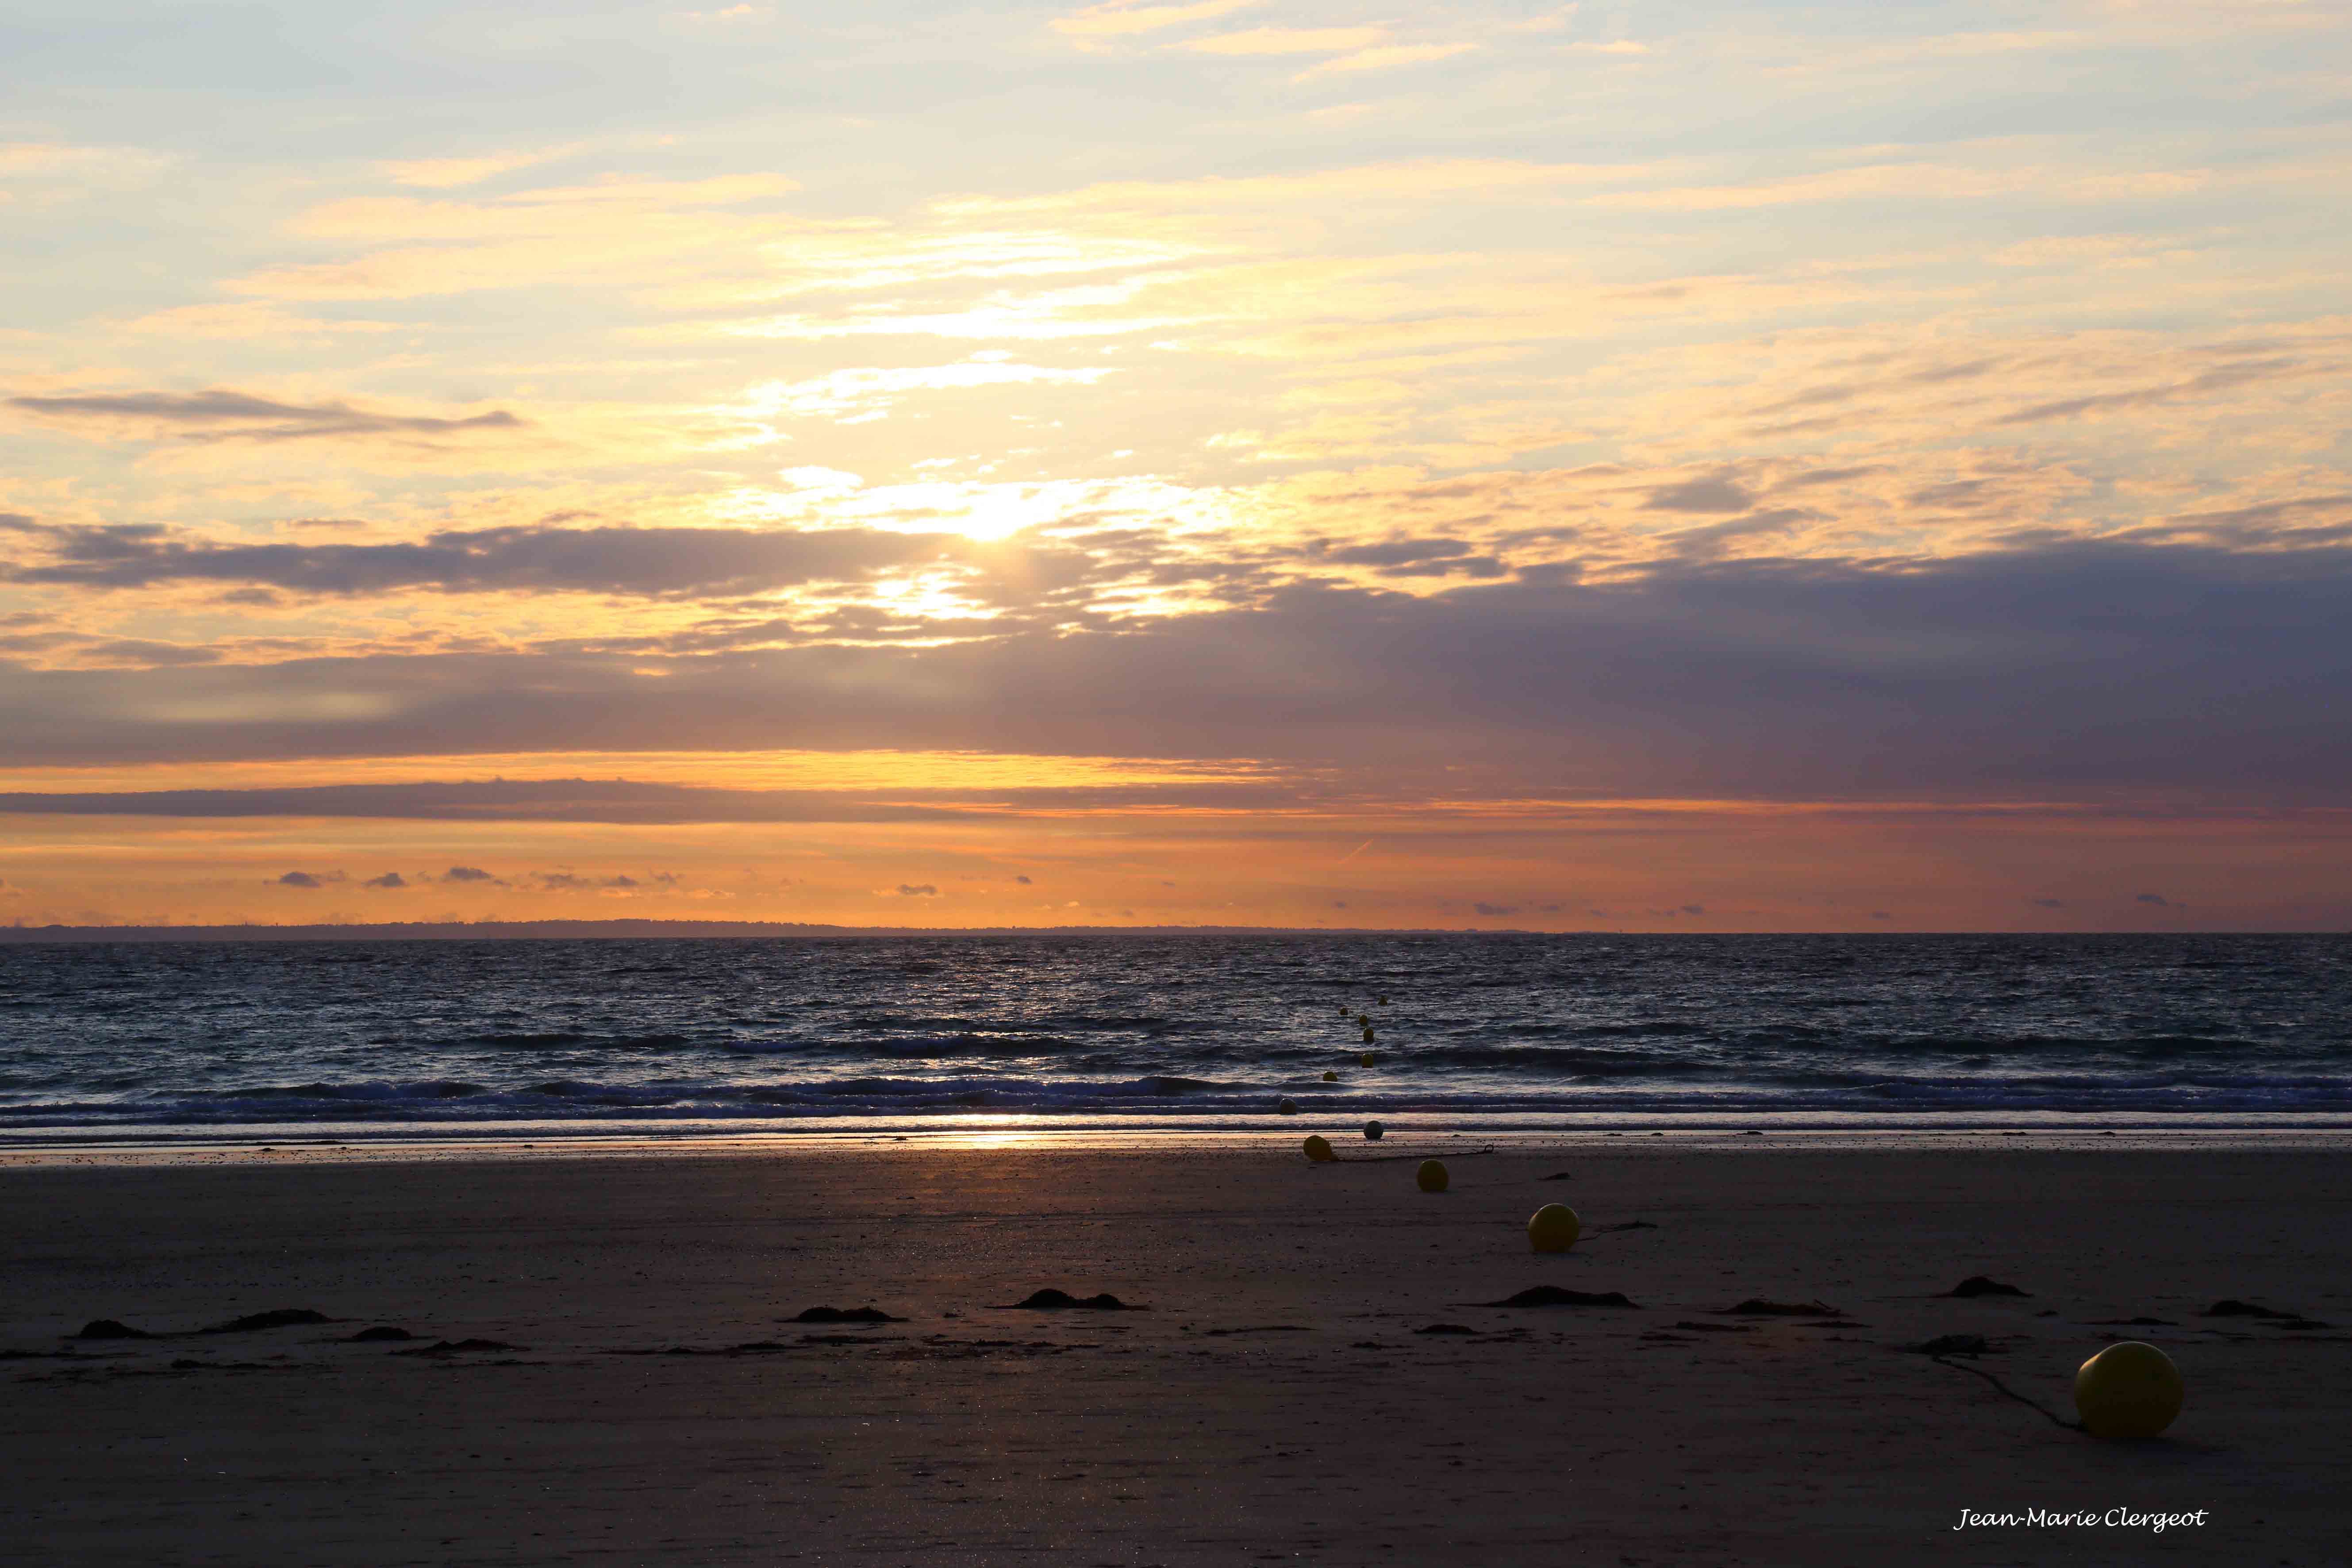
<point>389,880</point>
<point>918,891</point>
<point>1491,909</point>
<point>2220,380</point>
<point>520,558</point>
<point>1700,495</point>
<point>300,880</point>
<point>222,414</point>
<point>1829,475</point>
<point>2159,900</point>
<point>1023,880</point>
<point>1713,539</point>
<point>1394,552</point>
<point>1452,566</point>
<point>138,650</point>
<point>2052,671</point>
<point>467,874</point>
<point>620,800</point>
<point>2047,903</point>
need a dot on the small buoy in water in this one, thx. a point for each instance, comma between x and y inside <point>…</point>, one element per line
<point>1374,1131</point>
<point>2127,1390</point>
<point>1318,1149</point>
<point>1554,1228</point>
<point>1286,1107</point>
<point>1365,1019</point>
<point>1368,1034</point>
<point>1384,1002</point>
<point>1366,1059</point>
<point>1330,1078</point>
<point>1431,1177</point>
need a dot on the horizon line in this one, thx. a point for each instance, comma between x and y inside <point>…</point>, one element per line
<point>623,927</point>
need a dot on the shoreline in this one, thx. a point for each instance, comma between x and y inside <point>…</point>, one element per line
<point>1403,1140</point>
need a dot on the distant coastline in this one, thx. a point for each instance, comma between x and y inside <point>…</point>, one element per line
<point>513,930</point>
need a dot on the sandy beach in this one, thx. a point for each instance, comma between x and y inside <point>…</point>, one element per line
<point>637,1390</point>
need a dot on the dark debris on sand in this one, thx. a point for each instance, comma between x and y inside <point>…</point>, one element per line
<point>108,1328</point>
<point>281,1318</point>
<point>1978,1284</point>
<point>844,1315</point>
<point>2230,1307</point>
<point>1052,1301</point>
<point>1954,1344</point>
<point>1554,1296</point>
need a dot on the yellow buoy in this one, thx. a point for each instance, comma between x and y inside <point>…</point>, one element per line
<point>1385,1001</point>
<point>1366,1059</point>
<point>1364,1018</point>
<point>2127,1390</point>
<point>1554,1228</point>
<point>1286,1107</point>
<point>1330,1078</point>
<point>1431,1177</point>
<point>1374,1131</point>
<point>1318,1149</point>
<point>1368,1035</point>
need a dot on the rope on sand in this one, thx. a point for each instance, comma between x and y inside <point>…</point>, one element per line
<point>2036,1405</point>
<point>1391,1159</point>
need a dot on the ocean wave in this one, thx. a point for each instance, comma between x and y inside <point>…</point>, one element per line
<point>1171,1029</point>
<point>440,1100</point>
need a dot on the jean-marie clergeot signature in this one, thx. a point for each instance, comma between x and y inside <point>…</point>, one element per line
<point>2082,1519</point>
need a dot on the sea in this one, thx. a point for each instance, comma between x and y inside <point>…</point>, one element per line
<point>534,1039</point>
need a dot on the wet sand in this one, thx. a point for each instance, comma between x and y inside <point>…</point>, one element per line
<point>1276,1403</point>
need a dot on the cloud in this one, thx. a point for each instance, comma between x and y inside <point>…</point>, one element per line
<point>390,879</point>
<point>2047,903</point>
<point>467,874</point>
<point>1023,880</point>
<point>1123,19</point>
<point>1920,181</point>
<point>442,174</point>
<point>918,891</point>
<point>2159,900</point>
<point>1287,41</point>
<point>222,413</point>
<point>300,880</point>
<point>1492,909</point>
<point>1700,495</point>
<point>520,558</point>
<point>1385,57</point>
<point>2208,669</point>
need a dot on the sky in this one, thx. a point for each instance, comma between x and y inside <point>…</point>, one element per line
<point>1676,467</point>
